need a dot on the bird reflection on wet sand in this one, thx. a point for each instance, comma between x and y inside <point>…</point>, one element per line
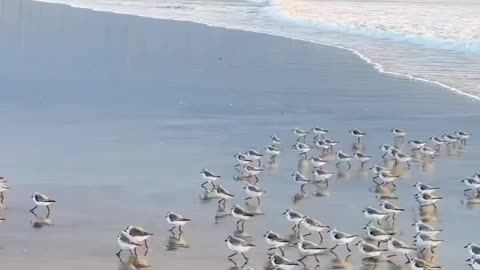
<point>42,222</point>
<point>134,262</point>
<point>176,241</point>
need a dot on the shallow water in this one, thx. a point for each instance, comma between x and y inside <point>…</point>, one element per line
<point>114,116</point>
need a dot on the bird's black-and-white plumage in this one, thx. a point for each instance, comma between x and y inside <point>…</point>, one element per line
<point>471,183</point>
<point>301,179</point>
<point>254,155</point>
<point>363,158</point>
<point>309,248</point>
<point>427,199</point>
<point>426,241</point>
<point>224,195</point>
<point>318,162</point>
<point>313,225</point>
<point>386,177</point>
<point>342,157</point>
<point>341,238</point>
<point>428,151</point>
<point>240,213</point>
<point>321,144</point>
<point>374,214</point>
<point>300,133</point>
<point>474,263</point>
<point>473,249</point>
<point>40,199</point>
<point>302,148</point>
<point>126,242</point>
<point>251,170</point>
<point>437,141</point>
<point>357,133</point>
<point>416,144</point>
<point>272,150</point>
<point>369,250</point>
<point>376,169</point>
<point>401,247</point>
<point>450,139</point>
<point>253,191</point>
<point>209,176</point>
<point>138,234</point>
<point>398,132</point>
<point>176,220</point>
<point>462,135</point>
<point>321,176</point>
<point>402,157</point>
<point>424,188</point>
<point>238,245</point>
<point>276,241</point>
<point>419,264</point>
<point>275,139</point>
<point>377,234</point>
<point>391,208</point>
<point>242,159</point>
<point>281,263</point>
<point>421,227</point>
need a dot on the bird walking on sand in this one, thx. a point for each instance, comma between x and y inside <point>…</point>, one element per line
<point>223,194</point>
<point>399,134</point>
<point>41,200</point>
<point>342,157</point>
<point>363,158</point>
<point>209,178</point>
<point>462,135</point>
<point>138,234</point>
<point>254,155</point>
<point>341,238</point>
<point>358,134</point>
<point>276,241</point>
<point>275,140</point>
<point>242,215</point>
<point>391,209</point>
<point>242,159</point>
<point>398,246</point>
<point>280,262</point>
<point>313,225</point>
<point>126,243</point>
<point>369,250</point>
<point>319,132</point>
<point>238,245</point>
<point>253,191</point>
<point>294,217</point>
<point>302,148</point>
<point>473,249</point>
<point>176,220</point>
<point>300,133</point>
<point>308,248</point>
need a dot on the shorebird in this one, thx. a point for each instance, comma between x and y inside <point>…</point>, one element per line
<point>242,215</point>
<point>471,183</point>
<point>369,250</point>
<point>238,245</point>
<point>398,246</point>
<point>474,263</point>
<point>275,139</point>
<point>426,241</point>
<point>294,217</point>
<point>376,169</point>
<point>473,249</point>
<point>223,194</point>
<point>402,158</point>
<point>419,264</point>
<point>427,199</point>
<point>308,248</point>
<point>302,148</point>
<point>416,144</point>
<point>321,176</point>
<point>253,191</point>
<point>317,162</point>
<point>319,132</point>
<point>252,171</point>
<point>437,141</point>
<point>341,156</point>
<point>300,133</point>
<point>242,159</point>
<point>391,209</point>
<point>280,262</point>
<point>331,143</point>
<point>313,225</point>
<point>276,241</point>
<point>363,158</point>
<point>138,234</point>
<point>399,134</point>
<point>449,139</point>
<point>126,243</point>
<point>424,188</point>
<point>462,135</point>
<point>339,237</point>
<point>374,214</point>
<point>386,177</point>
<point>41,200</point>
<point>377,234</point>
<point>254,155</point>
<point>386,149</point>
<point>428,152</point>
<point>358,134</point>
<point>301,179</point>
<point>423,228</point>
<point>273,152</point>
<point>209,178</point>
<point>3,188</point>
<point>176,220</point>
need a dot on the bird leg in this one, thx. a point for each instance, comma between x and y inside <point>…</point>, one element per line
<point>230,256</point>
<point>146,245</point>
<point>118,253</point>
<point>171,230</point>
<point>348,248</point>
<point>334,247</point>
<point>281,250</point>
<point>321,237</point>
<point>203,186</point>
<point>245,257</point>
<point>258,200</point>
<point>48,208</point>
<point>33,209</point>
<point>349,165</point>
<point>338,164</point>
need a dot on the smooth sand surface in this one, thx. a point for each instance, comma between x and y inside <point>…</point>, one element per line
<point>114,116</point>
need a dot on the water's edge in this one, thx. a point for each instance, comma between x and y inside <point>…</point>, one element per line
<point>377,66</point>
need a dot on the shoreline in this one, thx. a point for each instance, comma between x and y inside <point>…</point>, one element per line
<point>377,66</point>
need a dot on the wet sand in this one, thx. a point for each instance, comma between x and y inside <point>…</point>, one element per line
<point>114,116</point>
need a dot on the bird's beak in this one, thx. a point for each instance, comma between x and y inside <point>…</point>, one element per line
<point>413,224</point>
<point>364,228</point>
<point>465,246</point>
<point>357,244</point>
<point>284,213</point>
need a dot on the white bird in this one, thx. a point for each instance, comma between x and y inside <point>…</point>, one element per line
<point>241,214</point>
<point>223,194</point>
<point>302,148</point>
<point>276,241</point>
<point>138,234</point>
<point>280,262</point>
<point>209,177</point>
<point>301,179</point>
<point>437,141</point>
<point>376,169</point>
<point>398,133</point>
<point>339,237</point>
<point>242,159</point>
<point>474,263</point>
<point>317,162</point>
<point>374,214</point>
<point>126,243</point>
<point>319,132</point>
<point>253,191</point>
<point>273,151</point>
<point>294,217</point>
<point>254,155</point>
<point>313,225</point>
<point>473,249</point>
<point>462,135</point>
<point>330,142</point>
<point>416,144</point>
<point>424,188</point>
<point>386,149</point>
<point>40,199</point>
<point>402,158</point>
<point>358,134</point>
<point>308,248</point>
<point>300,133</point>
<point>363,158</point>
<point>3,188</point>
<point>449,139</point>
<point>252,171</point>
<point>321,176</point>
<point>398,246</point>
<point>275,139</point>
<point>428,151</point>
<point>176,220</point>
<point>427,199</point>
<point>471,183</point>
<point>391,209</point>
<point>378,234</point>
<point>423,228</point>
<point>322,145</point>
<point>369,250</point>
<point>238,245</point>
<point>426,241</point>
<point>342,157</point>
<point>386,177</point>
<point>419,264</point>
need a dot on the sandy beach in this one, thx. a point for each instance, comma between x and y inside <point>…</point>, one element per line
<point>114,116</point>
